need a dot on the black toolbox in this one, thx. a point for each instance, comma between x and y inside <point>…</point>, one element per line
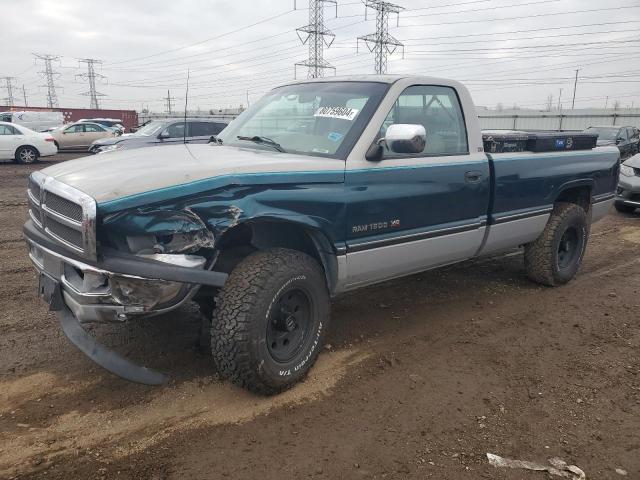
<point>557,141</point>
<point>502,141</point>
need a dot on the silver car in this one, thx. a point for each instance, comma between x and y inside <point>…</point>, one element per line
<point>628,193</point>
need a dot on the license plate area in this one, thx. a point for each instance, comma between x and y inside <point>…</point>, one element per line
<point>49,291</point>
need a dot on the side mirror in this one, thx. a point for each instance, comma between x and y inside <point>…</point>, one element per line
<point>618,140</point>
<point>163,135</point>
<point>405,138</point>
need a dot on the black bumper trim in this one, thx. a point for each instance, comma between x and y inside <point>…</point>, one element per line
<point>107,359</point>
<point>127,264</point>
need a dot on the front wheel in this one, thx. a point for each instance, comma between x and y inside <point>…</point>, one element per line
<point>270,319</point>
<point>26,155</point>
<point>556,255</point>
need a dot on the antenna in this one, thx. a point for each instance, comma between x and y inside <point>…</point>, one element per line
<point>186,101</point>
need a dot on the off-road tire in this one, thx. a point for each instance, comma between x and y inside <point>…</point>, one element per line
<point>541,257</point>
<point>622,208</point>
<point>245,306</point>
<point>26,155</point>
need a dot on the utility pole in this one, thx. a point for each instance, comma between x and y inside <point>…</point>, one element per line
<point>559,100</point>
<point>49,75</point>
<point>91,76</point>
<point>10,101</point>
<point>24,95</point>
<point>316,36</point>
<point>169,102</point>
<point>606,101</point>
<point>381,42</point>
<point>575,86</point>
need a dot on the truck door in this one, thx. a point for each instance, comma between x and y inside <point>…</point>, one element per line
<point>410,212</point>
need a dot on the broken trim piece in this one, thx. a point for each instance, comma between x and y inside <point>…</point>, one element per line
<point>107,359</point>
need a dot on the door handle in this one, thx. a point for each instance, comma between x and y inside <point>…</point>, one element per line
<point>472,176</point>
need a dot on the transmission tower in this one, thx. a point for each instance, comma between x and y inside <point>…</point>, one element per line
<point>49,75</point>
<point>168,102</point>
<point>316,36</point>
<point>9,100</point>
<point>91,76</point>
<point>381,42</point>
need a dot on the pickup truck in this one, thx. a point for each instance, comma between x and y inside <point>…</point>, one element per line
<point>321,187</point>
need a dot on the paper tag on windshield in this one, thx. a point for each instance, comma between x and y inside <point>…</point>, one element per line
<point>343,113</point>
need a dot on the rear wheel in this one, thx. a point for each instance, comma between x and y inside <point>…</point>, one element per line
<point>26,155</point>
<point>269,321</point>
<point>622,208</point>
<point>556,255</point>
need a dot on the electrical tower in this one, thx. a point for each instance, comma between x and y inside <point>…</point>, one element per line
<point>316,35</point>
<point>168,102</point>
<point>381,42</point>
<point>9,100</point>
<point>49,75</point>
<point>91,76</point>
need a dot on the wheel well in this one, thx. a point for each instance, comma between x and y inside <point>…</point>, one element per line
<point>578,195</point>
<point>242,240</point>
<point>22,146</point>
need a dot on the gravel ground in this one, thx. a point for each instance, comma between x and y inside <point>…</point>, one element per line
<point>421,378</point>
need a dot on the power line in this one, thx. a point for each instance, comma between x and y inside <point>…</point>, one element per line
<point>316,38</point>
<point>91,76</point>
<point>49,75</point>
<point>381,42</point>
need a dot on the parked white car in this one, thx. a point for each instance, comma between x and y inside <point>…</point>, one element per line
<point>23,145</point>
<point>37,121</point>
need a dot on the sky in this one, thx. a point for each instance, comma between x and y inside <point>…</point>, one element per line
<point>508,52</point>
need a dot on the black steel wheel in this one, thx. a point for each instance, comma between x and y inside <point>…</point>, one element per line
<point>270,318</point>
<point>556,255</point>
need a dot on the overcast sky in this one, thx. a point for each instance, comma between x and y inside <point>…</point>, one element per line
<point>507,51</point>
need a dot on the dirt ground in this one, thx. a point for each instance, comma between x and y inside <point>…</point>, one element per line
<point>421,378</point>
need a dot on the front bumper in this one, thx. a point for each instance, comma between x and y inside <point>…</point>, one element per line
<point>628,192</point>
<point>115,288</point>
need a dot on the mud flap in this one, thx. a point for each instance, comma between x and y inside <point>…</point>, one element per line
<point>107,359</point>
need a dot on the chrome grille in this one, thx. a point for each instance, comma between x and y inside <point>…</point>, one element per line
<point>64,213</point>
<point>63,233</point>
<point>64,207</point>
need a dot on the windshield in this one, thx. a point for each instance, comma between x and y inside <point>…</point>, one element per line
<point>320,118</point>
<point>149,129</point>
<point>604,133</point>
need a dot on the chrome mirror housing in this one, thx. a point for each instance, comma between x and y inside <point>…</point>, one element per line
<point>405,138</point>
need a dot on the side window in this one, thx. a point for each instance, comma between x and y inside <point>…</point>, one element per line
<point>75,129</point>
<point>8,130</point>
<point>203,129</point>
<point>631,132</point>
<point>438,110</point>
<point>92,128</point>
<point>176,130</point>
<point>622,134</point>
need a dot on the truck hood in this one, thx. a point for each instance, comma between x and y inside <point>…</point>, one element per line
<point>146,175</point>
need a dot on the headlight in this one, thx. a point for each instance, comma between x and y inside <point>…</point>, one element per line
<point>109,148</point>
<point>627,171</point>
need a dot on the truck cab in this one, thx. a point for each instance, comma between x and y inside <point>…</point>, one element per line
<point>321,187</point>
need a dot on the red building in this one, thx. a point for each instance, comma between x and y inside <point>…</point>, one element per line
<point>129,117</point>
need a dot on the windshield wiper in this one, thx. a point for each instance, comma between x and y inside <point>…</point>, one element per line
<point>262,140</point>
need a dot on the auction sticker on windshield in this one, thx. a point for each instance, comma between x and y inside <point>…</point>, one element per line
<point>343,113</point>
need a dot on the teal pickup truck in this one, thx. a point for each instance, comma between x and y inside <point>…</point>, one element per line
<point>321,187</point>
